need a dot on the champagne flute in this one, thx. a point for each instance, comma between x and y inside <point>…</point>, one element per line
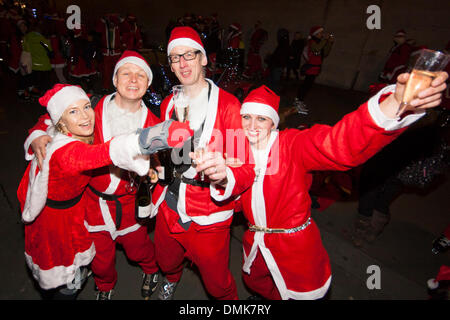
<point>426,68</point>
<point>181,102</point>
<point>199,153</point>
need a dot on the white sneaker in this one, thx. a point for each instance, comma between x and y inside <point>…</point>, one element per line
<point>104,295</point>
<point>300,106</point>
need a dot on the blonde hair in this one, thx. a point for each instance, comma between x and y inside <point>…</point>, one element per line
<point>61,127</point>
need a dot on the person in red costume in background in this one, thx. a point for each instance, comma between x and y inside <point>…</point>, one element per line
<point>283,253</point>
<point>397,61</point>
<point>317,48</point>
<point>108,27</point>
<point>83,59</point>
<point>58,31</point>
<point>254,67</point>
<point>131,33</point>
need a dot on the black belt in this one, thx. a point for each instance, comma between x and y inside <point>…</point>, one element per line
<point>65,204</point>
<point>192,182</point>
<point>111,197</point>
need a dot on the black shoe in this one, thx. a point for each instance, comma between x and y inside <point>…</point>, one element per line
<point>440,245</point>
<point>149,284</point>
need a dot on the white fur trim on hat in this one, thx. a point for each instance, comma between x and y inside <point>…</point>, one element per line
<point>137,61</point>
<point>188,42</point>
<point>432,284</point>
<point>317,31</point>
<point>62,99</point>
<point>262,110</point>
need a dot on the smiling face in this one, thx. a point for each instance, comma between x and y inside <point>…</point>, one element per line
<point>189,73</point>
<point>257,129</point>
<point>131,82</point>
<point>79,119</point>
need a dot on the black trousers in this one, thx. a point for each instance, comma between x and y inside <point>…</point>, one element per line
<point>305,87</point>
<point>39,79</point>
<point>377,196</point>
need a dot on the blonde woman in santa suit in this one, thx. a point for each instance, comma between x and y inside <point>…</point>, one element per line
<point>57,243</point>
<point>283,256</point>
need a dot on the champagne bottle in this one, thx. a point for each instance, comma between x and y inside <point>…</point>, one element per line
<point>164,160</point>
<point>143,195</point>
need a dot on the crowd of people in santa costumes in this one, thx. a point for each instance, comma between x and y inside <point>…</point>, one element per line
<point>110,196</point>
<point>193,216</point>
<point>58,246</point>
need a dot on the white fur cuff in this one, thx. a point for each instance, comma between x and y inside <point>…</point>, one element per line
<point>124,152</point>
<point>228,190</point>
<point>35,134</point>
<point>384,122</point>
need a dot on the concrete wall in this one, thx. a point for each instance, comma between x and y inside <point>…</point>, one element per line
<point>358,54</point>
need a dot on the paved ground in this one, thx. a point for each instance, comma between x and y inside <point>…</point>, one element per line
<point>403,252</point>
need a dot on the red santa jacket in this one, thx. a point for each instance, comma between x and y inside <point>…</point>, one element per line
<point>56,240</point>
<point>279,196</point>
<point>101,214</point>
<point>110,41</point>
<point>57,61</point>
<point>210,207</point>
<point>131,36</point>
<point>15,50</point>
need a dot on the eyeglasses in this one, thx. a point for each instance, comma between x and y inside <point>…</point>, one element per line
<point>190,55</point>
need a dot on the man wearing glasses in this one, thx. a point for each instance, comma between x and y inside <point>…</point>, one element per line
<point>194,216</point>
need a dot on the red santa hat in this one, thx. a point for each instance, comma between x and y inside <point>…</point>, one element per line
<point>264,102</point>
<point>60,97</point>
<point>315,30</point>
<point>185,36</point>
<point>133,57</point>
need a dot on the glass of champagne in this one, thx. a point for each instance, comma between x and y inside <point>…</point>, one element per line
<point>181,102</point>
<point>426,68</point>
<point>199,153</point>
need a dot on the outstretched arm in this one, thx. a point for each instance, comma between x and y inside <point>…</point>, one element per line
<point>362,133</point>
